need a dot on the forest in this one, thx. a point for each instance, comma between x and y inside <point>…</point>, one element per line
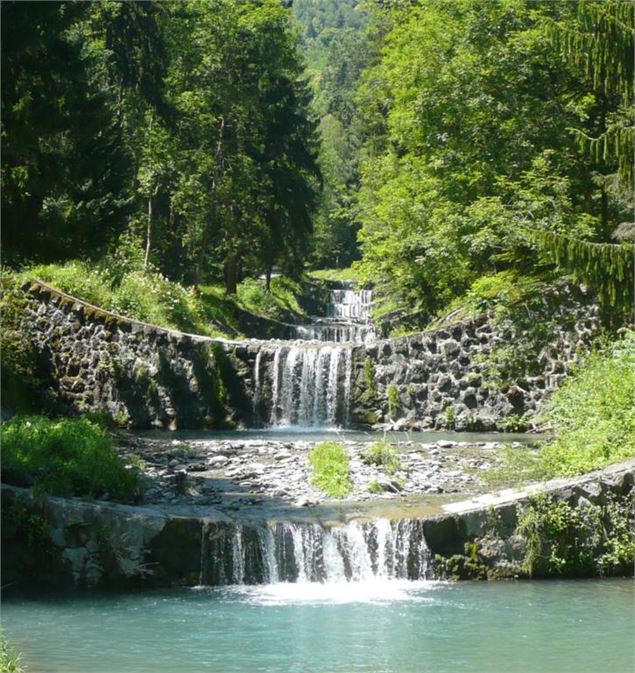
<point>433,144</point>
<point>309,306</point>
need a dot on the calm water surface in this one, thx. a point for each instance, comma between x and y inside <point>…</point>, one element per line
<point>395,627</point>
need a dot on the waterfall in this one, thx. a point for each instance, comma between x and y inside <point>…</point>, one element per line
<point>350,304</point>
<point>303,384</point>
<point>347,318</point>
<point>304,552</point>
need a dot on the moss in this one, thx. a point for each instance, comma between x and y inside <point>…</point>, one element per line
<point>367,418</point>
<point>369,375</point>
<point>467,566</point>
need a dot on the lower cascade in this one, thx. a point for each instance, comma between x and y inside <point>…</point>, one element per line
<point>302,384</point>
<point>275,552</point>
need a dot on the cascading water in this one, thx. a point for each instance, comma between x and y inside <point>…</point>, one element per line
<point>347,318</point>
<point>310,384</point>
<point>302,552</point>
<point>350,304</point>
<point>303,384</point>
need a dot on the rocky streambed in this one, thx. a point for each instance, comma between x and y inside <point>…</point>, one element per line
<point>221,472</point>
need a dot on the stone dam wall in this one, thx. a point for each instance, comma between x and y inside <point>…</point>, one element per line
<point>57,543</point>
<point>146,376</point>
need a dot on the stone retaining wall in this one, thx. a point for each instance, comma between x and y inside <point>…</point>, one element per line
<point>449,378</point>
<point>139,374</point>
<point>146,376</point>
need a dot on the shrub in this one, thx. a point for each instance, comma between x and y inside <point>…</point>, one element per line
<point>592,416</point>
<point>331,473</point>
<point>384,455</point>
<point>22,384</point>
<point>67,457</point>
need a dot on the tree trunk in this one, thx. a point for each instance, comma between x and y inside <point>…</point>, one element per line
<point>604,214</point>
<point>268,280</point>
<point>199,261</point>
<point>231,275</point>
<point>146,259</point>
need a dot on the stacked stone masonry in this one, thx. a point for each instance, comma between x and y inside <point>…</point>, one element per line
<point>148,376</point>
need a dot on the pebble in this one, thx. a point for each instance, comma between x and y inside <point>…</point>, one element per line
<point>282,470</point>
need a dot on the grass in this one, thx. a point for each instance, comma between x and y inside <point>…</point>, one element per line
<point>148,296</point>
<point>278,303</point>
<point>331,472</point>
<point>66,457</point>
<point>384,455</point>
<point>144,295</point>
<point>348,274</point>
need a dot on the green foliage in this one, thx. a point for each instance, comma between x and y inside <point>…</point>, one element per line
<point>277,303</point>
<point>331,473</point>
<point>598,43</point>
<point>68,457</point>
<point>394,400</point>
<point>499,294</point>
<point>384,455</point>
<point>450,416</point>
<point>185,125</point>
<point>468,163</point>
<point>334,274</point>
<point>375,487</point>
<point>10,660</point>
<point>562,539</point>
<point>593,412</point>
<point>592,419</point>
<point>608,268</point>
<point>144,295</point>
<point>121,284</point>
<point>337,45</point>
<point>21,382</point>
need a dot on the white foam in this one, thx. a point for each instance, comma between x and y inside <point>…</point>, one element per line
<point>372,591</point>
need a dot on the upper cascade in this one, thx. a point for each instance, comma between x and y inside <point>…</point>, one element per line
<point>347,319</point>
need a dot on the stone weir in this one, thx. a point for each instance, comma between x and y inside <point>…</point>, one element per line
<point>55,543</point>
<point>146,376</point>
